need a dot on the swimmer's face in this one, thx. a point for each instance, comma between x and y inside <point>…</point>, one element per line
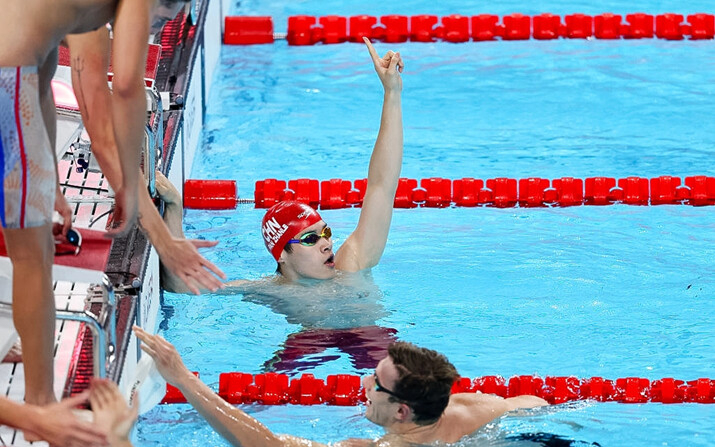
<point>378,408</point>
<point>309,262</point>
<point>162,13</point>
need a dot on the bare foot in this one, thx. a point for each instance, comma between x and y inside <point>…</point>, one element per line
<point>14,355</point>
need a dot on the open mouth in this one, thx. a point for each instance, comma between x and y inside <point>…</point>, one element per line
<point>330,262</point>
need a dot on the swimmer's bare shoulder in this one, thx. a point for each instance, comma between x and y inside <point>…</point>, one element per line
<point>248,285</point>
<point>473,410</point>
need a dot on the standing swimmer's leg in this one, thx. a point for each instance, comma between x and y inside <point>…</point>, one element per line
<point>29,189</point>
<point>33,307</point>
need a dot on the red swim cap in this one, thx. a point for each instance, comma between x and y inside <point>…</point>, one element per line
<point>283,221</point>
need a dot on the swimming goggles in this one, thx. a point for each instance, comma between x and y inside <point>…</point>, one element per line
<point>381,389</point>
<point>312,237</point>
<point>72,246</point>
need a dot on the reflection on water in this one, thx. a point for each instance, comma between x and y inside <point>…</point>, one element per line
<point>365,346</point>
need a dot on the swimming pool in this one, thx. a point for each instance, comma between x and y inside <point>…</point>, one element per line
<point>588,291</point>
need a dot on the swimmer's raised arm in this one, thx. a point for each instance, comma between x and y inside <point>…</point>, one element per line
<point>364,247</point>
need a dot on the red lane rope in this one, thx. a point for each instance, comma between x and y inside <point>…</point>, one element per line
<point>466,192</point>
<point>470,192</point>
<point>345,389</point>
<point>303,29</point>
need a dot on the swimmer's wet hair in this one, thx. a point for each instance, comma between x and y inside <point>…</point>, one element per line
<point>425,380</point>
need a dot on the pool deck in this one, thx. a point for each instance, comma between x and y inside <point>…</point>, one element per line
<point>195,57</point>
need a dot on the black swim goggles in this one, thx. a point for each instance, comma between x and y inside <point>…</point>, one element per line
<point>312,237</point>
<point>381,389</point>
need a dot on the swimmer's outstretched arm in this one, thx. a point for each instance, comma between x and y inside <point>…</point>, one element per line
<point>89,53</point>
<point>364,247</point>
<point>234,425</point>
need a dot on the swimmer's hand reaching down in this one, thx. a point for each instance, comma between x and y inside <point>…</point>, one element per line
<point>182,258</point>
<point>189,271</point>
<point>125,212</point>
<point>63,209</point>
<point>112,415</point>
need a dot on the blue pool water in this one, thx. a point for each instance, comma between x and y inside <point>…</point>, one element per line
<point>587,291</point>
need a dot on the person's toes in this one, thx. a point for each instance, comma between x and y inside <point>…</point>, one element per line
<point>14,355</point>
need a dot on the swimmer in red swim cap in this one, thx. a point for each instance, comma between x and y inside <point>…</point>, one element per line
<point>296,235</point>
<point>298,238</point>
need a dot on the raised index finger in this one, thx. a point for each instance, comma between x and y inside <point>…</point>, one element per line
<point>371,49</point>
